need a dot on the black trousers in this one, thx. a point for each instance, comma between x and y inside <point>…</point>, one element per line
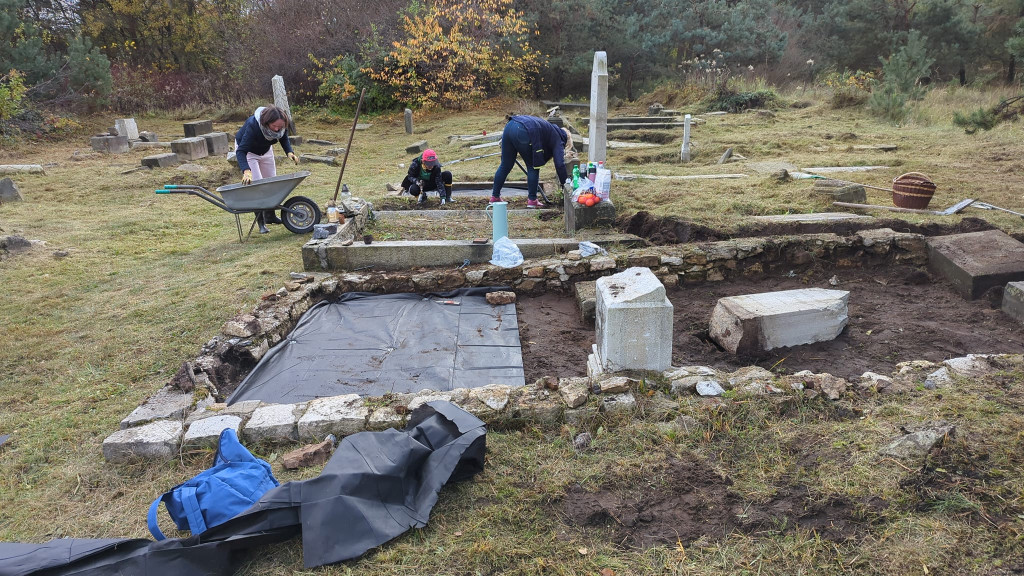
<point>410,184</point>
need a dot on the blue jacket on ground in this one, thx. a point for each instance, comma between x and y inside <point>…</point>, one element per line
<point>250,138</point>
<point>547,142</point>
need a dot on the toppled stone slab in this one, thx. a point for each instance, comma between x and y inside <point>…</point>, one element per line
<point>198,128</point>
<point>160,160</point>
<point>189,149</point>
<point>755,323</point>
<point>167,404</point>
<point>416,147</point>
<point>155,441</point>
<point>917,445</point>
<point>976,261</point>
<point>21,169</point>
<point>329,160</point>
<point>205,433</point>
<point>634,322</point>
<point>338,415</point>
<point>9,191</point>
<point>1013,294</point>
<point>148,136</point>
<point>274,424</point>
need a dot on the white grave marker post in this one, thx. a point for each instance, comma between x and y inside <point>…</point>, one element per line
<point>597,147</point>
<point>684,154</point>
<point>281,101</point>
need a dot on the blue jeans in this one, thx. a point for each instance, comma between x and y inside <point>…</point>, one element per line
<point>516,140</point>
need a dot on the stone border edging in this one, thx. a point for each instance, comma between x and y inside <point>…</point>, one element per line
<point>246,338</point>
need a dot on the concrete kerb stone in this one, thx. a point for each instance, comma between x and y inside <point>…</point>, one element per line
<point>154,441</point>
<point>206,432</point>
<point>274,424</point>
<point>198,128</point>
<point>160,160</point>
<point>338,415</point>
<point>216,143</point>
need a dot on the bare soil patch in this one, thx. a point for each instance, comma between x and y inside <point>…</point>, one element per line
<point>897,313</point>
<point>662,231</point>
<point>695,502</point>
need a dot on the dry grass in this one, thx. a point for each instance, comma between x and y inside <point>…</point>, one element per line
<point>150,279</point>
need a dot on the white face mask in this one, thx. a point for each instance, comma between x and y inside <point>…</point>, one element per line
<point>272,135</point>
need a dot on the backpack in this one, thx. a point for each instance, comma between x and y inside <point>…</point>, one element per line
<point>237,481</point>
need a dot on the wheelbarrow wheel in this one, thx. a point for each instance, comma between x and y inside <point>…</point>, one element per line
<point>300,215</point>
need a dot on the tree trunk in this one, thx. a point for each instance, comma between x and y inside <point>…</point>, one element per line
<point>1011,71</point>
<point>963,75</point>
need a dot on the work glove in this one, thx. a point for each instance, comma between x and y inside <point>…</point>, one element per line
<point>247,177</point>
<point>293,157</point>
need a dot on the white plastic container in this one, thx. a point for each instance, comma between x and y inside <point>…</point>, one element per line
<point>603,183</point>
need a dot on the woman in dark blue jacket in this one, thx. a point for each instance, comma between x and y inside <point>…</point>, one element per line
<point>254,151</point>
<point>537,141</point>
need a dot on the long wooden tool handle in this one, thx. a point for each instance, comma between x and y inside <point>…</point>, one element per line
<point>889,208</point>
<point>355,121</point>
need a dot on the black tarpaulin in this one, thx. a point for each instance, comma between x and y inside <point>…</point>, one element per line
<point>374,344</point>
<point>375,487</point>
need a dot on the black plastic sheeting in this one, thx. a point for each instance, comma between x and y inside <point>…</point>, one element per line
<point>375,344</point>
<point>375,487</point>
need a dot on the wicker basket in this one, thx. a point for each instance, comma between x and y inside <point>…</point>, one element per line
<point>912,190</point>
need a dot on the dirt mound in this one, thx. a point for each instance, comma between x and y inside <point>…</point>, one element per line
<point>696,502</point>
<point>671,230</point>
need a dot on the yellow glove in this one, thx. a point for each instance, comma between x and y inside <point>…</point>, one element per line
<point>293,157</point>
<point>247,177</point>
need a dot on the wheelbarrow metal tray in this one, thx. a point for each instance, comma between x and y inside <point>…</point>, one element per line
<point>262,194</point>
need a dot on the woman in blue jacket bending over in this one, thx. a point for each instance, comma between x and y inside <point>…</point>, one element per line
<point>537,141</point>
<point>254,151</point>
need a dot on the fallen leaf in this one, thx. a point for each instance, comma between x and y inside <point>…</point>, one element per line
<point>607,572</point>
<point>459,533</point>
<point>583,551</point>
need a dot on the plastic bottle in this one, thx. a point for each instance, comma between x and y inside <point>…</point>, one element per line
<point>591,171</point>
<point>604,183</point>
<point>345,194</point>
<point>575,177</point>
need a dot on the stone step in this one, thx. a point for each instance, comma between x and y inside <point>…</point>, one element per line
<point>755,323</point>
<point>977,261</point>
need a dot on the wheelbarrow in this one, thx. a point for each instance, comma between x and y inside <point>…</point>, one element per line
<point>298,214</point>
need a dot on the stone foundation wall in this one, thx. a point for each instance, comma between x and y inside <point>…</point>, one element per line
<point>225,360</point>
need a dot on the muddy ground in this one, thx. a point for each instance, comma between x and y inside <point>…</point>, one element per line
<point>897,313</point>
<point>691,501</point>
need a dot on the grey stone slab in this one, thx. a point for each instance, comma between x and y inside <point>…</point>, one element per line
<point>168,403</point>
<point>752,324</point>
<point>281,100</point>
<point>633,322</point>
<point>385,417</point>
<point>243,410</point>
<point>329,160</point>
<point>21,169</point>
<point>9,191</point>
<point>416,147</point>
<point>338,415</point>
<point>127,127</point>
<point>206,432</point>
<point>216,143</point>
<point>110,144</point>
<point>331,255</point>
<point>148,136</point>
<point>274,424</point>
<point>155,441</point>
<point>1013,296</point>
<point>408,121</point>
<point>816,217</point>
<point>150,145</point>
<point>160,160</point>
<point>977,261</point>
<point>189,149</point>
<point>586,299</point>
<point>198,128</point>
<point>624,403</point>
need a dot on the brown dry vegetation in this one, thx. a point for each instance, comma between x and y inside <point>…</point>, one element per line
<point>149,279</point>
